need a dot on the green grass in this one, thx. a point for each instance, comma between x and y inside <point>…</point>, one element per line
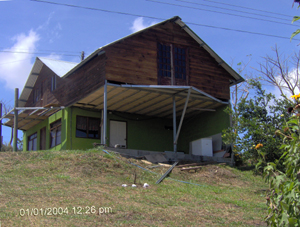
<point>79,183</point>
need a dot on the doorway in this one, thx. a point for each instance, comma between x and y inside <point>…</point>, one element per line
<point>43,139</point>
<point>118,134</point>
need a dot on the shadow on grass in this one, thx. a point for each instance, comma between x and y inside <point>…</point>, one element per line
<point>245,168</point>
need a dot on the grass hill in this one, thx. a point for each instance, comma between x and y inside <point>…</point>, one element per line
<point>84,188</point>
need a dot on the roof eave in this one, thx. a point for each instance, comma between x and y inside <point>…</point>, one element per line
<point>220,61</point>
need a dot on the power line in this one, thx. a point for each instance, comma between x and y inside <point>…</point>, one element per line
<point>14,61</point>
<point>25,52</point>
<point>157,18</point>
<point>91,8</point>
<point>61,51</point>
<point>257,14</point>
<point>248,8</point>
<point>230,14</point>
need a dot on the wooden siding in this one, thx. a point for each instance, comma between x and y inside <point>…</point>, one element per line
<point>84,81</point>
<point>44,82</point>
<point>133,60</point>
<point>76,86</point>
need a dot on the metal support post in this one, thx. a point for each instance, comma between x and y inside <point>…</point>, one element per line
<point>174,123</point>
<point>105,113</point>
<point>182,116</point>
<point>0,126</point>
<point>15,139</point>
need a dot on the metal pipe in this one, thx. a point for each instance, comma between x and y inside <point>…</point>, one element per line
<point>182,116</point>
<point>0,126</point>
<point>15,139</point>
<point>105,112</point>
<point>174,123</point>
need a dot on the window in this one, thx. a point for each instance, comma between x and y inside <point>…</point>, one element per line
<point>164,60</point>
<point>37,94</point>
<point>53,83</point>
<point>179,63</point>
<point>168,53</point>
<point>87,127</point>
<point>55,133</point>
<point>32,142</point>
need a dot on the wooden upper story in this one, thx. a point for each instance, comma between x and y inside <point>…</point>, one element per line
<point>168,53</point>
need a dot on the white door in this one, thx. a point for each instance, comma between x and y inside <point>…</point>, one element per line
<point>117,135</point>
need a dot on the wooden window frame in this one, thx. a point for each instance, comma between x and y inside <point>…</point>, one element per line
<point>33,141</point>
<point>53,83</point>
<point>173,65</point>
<point>37,94</point>
<point>55,127</point>
<point>87,130</point>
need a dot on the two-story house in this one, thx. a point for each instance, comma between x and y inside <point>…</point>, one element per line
<point>158,89</point>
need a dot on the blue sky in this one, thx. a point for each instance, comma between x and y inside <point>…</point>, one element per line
<point>234,29</point>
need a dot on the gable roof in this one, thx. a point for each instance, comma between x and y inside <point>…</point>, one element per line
<point>64,69</point>
<point>60,68</point>
<point>177,20</point>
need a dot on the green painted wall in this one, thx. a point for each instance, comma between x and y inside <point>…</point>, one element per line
<point>201,126</point>
<point>46,123</point>
<point>80,143</point>
<point>68,120</point>
<point>145,133</point>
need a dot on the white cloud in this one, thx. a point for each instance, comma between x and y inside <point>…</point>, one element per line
<point>293,78</point>
<point>16,66</point>
<point>50,32</point>
<point>139,24</point>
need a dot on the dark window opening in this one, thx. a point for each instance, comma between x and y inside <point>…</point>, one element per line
<point>88,127</point>
<point>179,61</point>
<point>53,83</point>
<point>32,142</point>
<point>164,60</point>
<point>55,133</point>
<point>37,94</point>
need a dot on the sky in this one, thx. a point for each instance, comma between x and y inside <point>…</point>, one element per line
<point>237,30</point>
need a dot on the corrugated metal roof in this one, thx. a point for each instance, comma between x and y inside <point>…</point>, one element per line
<point>150,100</point>
<point>60,68</point>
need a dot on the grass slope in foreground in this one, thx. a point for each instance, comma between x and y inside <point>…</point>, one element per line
<point>84,188</point>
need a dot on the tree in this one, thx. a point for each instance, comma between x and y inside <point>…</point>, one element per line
<point>5,110</point>
<point>284,195</point>
<point>281,72</point>
<point>256,121</point>
<point>295,19</point>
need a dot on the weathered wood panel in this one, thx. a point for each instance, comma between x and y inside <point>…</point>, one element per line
<point>83,81</point>
<point>76,86</point>
<point>134,60</point>
<point>44,83</point>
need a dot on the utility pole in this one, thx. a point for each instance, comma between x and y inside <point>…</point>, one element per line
<point>82,55</point>
<point>0,126</point>
<point>15,141</point>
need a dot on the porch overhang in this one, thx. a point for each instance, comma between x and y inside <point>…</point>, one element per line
<point>151,100</point>
<point>29,116</point>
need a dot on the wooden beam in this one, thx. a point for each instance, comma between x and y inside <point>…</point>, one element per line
<point>191,168</point>
<point>166,173</point>
<point>197,164</point>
